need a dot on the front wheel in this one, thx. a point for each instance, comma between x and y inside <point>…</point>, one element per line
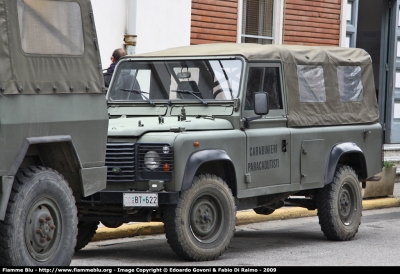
<point>339,205</point>
<point>40,226</point>
<point>201,226</point>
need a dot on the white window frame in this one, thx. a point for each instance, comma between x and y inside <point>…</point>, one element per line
<point>349,29</point>
<point>277,23</point>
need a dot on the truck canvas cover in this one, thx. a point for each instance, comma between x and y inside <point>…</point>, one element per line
<point>324,85</point>
<point>42,44</point>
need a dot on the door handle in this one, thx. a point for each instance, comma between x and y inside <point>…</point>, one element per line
<point>284,144</point>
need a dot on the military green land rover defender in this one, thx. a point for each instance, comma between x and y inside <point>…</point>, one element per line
<point>199,132</point>
<point>53,127</point>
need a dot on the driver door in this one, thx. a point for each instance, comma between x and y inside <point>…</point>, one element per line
<point>268,147</point>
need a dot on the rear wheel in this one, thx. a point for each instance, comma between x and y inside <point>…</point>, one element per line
<point>339,205</point>
<point>112,224</point>
<point>201,226</point>
<point>40,226</point>
<point>86,231</point>
<point>264,210</point>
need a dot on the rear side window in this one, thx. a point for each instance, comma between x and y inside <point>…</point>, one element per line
<point>311,83</point>
<point>350,84</point>
<point>50,27</point>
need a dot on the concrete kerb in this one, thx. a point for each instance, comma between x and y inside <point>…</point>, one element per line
<point>243,217</point>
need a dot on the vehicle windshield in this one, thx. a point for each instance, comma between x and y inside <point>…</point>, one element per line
<point>194,80</point>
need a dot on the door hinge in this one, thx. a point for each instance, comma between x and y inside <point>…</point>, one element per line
<point>96,43</point>
<point>91,17</point>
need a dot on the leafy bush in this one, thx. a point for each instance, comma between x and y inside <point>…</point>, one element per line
<point>387,164</point>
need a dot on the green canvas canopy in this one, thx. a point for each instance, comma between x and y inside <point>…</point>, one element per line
<point>324,85</point>
<point>42,45</point>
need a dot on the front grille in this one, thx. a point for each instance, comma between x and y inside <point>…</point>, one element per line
<point>120,162</point>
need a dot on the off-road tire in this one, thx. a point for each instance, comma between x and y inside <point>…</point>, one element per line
<point>40,225</point>
<point>201,226</point>
<point>112,224</point>
<point>263,210</point>
<point>339,205</point>
<point>86,231</point>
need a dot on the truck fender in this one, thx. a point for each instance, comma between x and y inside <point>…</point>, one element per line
<point>198,158</point>
<point>5,191</point>
<point>337,152</point>
<point>86,180</point>
<point>39,140</point>
<point>7,181</point>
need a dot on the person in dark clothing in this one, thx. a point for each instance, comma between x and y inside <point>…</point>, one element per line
<point>117,54</point>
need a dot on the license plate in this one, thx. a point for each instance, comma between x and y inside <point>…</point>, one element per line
<point>140,199</point>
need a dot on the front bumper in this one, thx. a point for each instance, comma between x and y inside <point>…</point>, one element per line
<point>116,197</point>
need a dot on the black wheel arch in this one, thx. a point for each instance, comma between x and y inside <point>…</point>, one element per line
<point>215,161</point>
<point>56,152</point>
<point>347,153</point>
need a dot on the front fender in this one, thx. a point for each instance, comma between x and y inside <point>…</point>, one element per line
<point>198,158</point>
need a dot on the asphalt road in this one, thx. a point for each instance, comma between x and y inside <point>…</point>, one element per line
<point>291,242</point>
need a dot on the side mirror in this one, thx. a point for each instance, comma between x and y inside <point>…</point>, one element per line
<point>261,103</point>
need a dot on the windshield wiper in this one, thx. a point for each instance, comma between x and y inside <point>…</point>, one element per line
<point>139,92</point>
<point>192,93</point>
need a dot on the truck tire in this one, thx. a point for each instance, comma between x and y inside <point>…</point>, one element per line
<point>86,231</point>
<point>264,210</point>
<point>201,226</point>
<point>112,224</point>
<point>339,205</point>
<point>40,226</point>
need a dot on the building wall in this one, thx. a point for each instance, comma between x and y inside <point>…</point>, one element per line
<point>162,24</point>
<point>158,24</point>
<point>110,27</point>
<point>312,22</point>
<point>214,21</point>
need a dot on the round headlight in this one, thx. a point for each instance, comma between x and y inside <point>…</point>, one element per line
<point>152,160</point>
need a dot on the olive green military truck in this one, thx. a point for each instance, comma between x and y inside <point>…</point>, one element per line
<point>53,127</point>
<point>199,132</point>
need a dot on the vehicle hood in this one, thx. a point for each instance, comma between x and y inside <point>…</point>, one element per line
<point>138,126</point>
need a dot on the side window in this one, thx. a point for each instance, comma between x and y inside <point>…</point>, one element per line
<point>350,85</point>
<point>311,83</point>
<point>50,27</point>
<point>264,79</point>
